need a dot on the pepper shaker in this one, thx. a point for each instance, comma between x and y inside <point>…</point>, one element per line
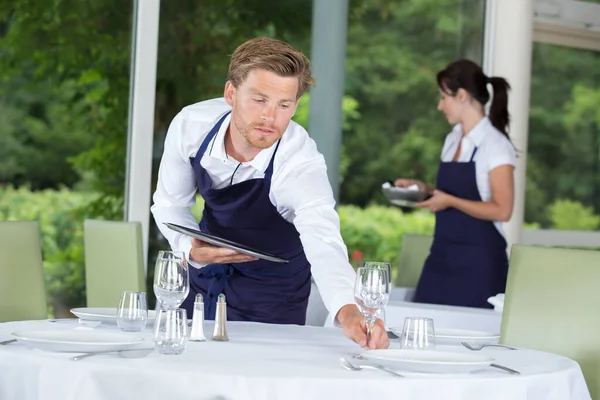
<point>197,334</point>
<point>220,332</point>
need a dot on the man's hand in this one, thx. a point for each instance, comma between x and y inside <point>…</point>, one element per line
<point>205,253</point>
<point>355,328</point>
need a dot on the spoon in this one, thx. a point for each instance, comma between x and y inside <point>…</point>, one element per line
<point>132,353</point>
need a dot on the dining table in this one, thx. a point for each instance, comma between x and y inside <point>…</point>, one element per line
<point>268,361</point>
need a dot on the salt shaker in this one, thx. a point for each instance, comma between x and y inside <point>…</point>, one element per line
<point>197,334</point>
<point>220,332</point>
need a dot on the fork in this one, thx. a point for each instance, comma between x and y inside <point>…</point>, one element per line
<point>351,367</point>
<point>477,348</point>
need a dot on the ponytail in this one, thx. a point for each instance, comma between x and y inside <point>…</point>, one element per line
<point>499,109</point>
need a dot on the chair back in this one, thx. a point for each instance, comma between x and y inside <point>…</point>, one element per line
<point>551,304</point>
<point>114,261</point>
<point>414,252</point>
<point>22,287</point>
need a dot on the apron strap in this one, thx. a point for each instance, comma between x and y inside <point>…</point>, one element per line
<point>473,155</point>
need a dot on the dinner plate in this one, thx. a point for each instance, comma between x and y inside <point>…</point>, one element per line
<point>455,336</point>
<point>77,341</point>
<point>429,361</point>
<point>228,244</point>
<point>106,315</point>
<point>404,197</point>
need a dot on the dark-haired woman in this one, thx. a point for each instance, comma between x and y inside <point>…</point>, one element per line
<point>474,192</point>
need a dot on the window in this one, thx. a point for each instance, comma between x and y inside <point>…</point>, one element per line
<point>63,101</point>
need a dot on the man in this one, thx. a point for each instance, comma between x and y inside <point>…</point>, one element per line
<point>265,186</point>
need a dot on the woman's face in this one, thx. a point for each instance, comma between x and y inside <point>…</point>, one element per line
<point>451,105</point>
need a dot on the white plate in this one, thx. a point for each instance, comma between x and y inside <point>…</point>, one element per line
<point>77,341</point>
<point>107,315</point>
<point>431,361</point>
<point>455,336</point>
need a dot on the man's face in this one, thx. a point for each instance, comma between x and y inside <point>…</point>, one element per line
<point>262,107</point>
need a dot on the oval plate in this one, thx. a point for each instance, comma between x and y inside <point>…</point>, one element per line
<point>430,361</point>
<point>77,341</point>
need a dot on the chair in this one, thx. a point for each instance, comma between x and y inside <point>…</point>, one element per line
<point>551,304</point>
<point>114,261</point>
<point>415,249</point>
<point>22,288</point>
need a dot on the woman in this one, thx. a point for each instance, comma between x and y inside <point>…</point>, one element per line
<point>473,194</point>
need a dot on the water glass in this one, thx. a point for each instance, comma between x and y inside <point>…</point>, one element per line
<point>417,334</point>
<point>132,313</point>
<point>372,291</point>
<point>171,279</point>
<point>171,331</point>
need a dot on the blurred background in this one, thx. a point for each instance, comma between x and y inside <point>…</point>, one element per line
<point>69,87</point>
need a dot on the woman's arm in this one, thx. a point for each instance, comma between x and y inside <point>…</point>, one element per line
<point>499,208</point>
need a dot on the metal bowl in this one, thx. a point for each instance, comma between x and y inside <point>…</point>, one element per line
<point>404,197</point>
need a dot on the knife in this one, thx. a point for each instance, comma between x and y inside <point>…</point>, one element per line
<point>392,335</point>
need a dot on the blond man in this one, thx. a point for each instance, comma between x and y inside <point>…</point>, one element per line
<point>264,185</point>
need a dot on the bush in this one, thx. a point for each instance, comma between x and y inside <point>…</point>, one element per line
<point>375,232</point>
<point>572,215</point>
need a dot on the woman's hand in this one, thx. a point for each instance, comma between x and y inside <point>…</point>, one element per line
<point>404,183</point>
<point>438,202</point>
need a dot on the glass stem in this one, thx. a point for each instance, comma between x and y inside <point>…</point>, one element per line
<point>370,321</point>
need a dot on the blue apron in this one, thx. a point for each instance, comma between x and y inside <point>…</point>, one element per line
<point>259,291</point>
<point>467,263</point>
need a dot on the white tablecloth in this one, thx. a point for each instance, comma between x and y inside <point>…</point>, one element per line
<point>267,362</point>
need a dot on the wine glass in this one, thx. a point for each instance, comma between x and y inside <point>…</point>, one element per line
<point>171,279</point>
<point>372,291</point>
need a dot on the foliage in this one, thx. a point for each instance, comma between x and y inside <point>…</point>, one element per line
<point>376,231</point>
<point>571,215</point>
<point>564,130</point>
<point>350,115</point>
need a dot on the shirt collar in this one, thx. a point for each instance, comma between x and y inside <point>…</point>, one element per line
<point>477,133</point>
<point>217,149</point>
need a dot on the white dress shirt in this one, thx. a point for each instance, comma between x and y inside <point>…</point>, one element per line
<point>493,150</point>
<point>300,191</point>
